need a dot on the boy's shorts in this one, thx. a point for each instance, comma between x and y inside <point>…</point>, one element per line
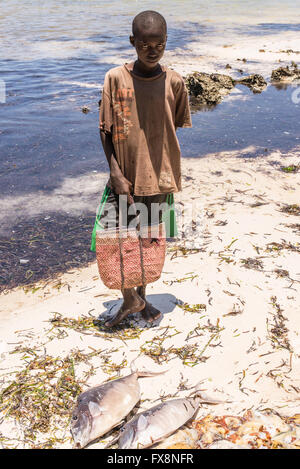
<point>149,208</point>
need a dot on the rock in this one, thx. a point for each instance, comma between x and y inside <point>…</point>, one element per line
<point>208,89</point>
<point>286,74</point>
<point>85,110</point>
<point>255,82</point>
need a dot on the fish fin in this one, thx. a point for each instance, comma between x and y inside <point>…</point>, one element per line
<point>112,442</point>
<point>148,374</point>
<point>133,367</point>
<point>203,398</point>
<point>142,423</point>
<point>94,409</point>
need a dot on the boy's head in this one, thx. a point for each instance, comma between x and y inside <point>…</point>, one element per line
<point>149,37</point>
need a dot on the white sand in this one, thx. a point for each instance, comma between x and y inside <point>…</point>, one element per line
<point>242,362</point>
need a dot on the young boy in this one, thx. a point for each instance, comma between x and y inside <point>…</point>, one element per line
<point>142,105</point>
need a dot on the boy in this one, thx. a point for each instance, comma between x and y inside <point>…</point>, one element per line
<point>142,105</point>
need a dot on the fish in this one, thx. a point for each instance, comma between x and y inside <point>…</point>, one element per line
<point>101,408</point>
<point>159,422</point>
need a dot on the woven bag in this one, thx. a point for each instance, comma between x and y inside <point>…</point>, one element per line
<point>129,258</point>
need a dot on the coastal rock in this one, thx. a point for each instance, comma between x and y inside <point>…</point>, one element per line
<point>255,82</point>
<point>286,74</point>
<point>208,88</point>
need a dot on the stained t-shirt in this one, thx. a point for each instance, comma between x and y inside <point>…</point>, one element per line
<point>141,114</point>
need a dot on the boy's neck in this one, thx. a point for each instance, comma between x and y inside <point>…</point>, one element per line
<point>140,69</point>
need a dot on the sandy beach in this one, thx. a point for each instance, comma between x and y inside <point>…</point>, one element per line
<point>230,308</point>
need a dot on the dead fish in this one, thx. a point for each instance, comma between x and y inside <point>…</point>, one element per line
<point>101,408</point>
<point>159,422</point>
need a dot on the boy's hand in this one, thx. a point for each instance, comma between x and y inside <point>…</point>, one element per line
<point>121,185</point>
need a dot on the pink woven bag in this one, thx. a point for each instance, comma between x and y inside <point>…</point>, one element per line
<point>127,259</point>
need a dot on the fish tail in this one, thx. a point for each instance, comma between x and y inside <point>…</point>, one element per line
<point>203,398</point>
<point>148,374</point>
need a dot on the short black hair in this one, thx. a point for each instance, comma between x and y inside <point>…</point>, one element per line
<point>146,19</point>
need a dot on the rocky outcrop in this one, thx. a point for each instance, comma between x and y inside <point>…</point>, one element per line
<point>209,89</point>
<point>286,74</point>
<point>255,82</point>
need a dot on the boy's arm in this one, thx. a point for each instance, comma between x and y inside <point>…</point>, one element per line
<point>119,183</point>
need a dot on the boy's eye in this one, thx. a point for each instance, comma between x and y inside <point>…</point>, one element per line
<point>146,46</point>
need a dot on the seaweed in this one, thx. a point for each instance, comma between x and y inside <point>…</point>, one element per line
<point>273,246</point>
<point>40,248</point>
<point>190,354</point>
<point>44,391</point>
<point>293,168</point>
<point>294,226</point>
<point>291,209</point>
<point>90,325</point>
<point>180,280</point>
<point>251,263</point>
<point>278,332</point>
<point>182,251</point>
<point>197,308</point>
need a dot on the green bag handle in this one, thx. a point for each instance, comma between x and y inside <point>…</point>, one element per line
<point>168,217</point>
<point>97,225</point>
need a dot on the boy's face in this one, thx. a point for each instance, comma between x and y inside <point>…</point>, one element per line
<point>150,46</point>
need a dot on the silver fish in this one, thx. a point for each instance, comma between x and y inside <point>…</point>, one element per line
<point>159,422</point>
<point>101,408</point>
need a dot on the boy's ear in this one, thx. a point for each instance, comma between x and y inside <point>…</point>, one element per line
<point>131,40</point>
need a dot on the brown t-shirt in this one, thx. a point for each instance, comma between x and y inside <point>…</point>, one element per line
<point>142,113</point>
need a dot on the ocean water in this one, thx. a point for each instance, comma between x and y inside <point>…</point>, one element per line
<point>53,58</point>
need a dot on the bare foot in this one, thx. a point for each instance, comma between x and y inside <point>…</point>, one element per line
<point>128,307</point>
<point>149,313</point>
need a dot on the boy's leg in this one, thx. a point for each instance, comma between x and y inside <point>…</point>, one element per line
<point>150,313</point>
<point>132,301</point>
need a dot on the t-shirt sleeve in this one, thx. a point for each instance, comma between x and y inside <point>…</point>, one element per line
<point>183,113</point>
<point>105,112</point>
